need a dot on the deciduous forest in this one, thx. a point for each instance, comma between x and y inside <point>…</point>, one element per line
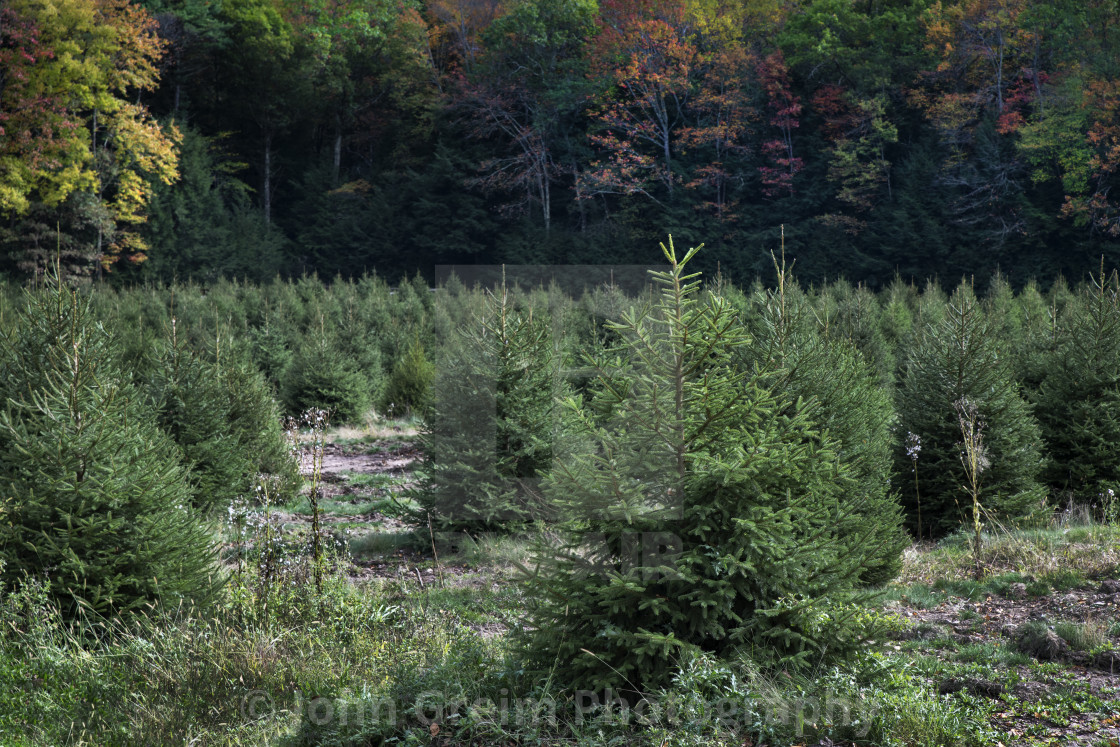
<point>164,139</point>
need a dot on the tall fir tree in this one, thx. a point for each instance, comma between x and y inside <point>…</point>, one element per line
<point>489,433</point>
<point>811,359</point>
<point>701,514</point>
<point>956,357</point>
<point>323,375</point>
<point>223,417</point>
<point>191,406</point>
<point>1078,401</point>
<point>99,501</point>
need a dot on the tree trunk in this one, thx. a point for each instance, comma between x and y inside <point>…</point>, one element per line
<point>267,187</point>
<point>335,174</point>
<point>668,162</point>
<point>580,199</point>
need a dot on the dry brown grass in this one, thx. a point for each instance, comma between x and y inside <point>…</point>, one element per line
<point>1091,550</point>
<point>372,428</point>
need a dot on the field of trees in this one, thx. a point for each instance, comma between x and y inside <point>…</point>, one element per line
<point>177,139</point>
<point>846,476</point>
<point>659,509</point>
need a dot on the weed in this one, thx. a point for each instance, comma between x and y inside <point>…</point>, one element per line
<point>1087,636</point>
<point>974,457</point>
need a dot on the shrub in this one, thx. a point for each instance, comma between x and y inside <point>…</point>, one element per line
<point>99,501</point>
<point>854,315</point>
<point>702,515</point>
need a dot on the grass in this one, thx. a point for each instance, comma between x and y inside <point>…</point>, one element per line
<point>379,543</point>
<point>1091,635</point>
<point>1065,556</point>
<point>393,660</point>
<point>374,428</point>
<point>373,482</point>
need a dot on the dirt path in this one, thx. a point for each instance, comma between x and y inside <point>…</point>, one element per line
<point>388,457</point>
<point>342,469</point>
<point>1072,699</point>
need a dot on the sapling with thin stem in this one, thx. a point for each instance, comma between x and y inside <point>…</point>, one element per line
<point>975,460</point>
<point>913,448</point>
<point>315,421</point>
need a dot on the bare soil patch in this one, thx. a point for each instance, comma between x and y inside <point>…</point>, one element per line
<point>1035,704</point>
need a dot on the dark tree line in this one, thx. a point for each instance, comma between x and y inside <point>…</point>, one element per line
<point>260,137</point>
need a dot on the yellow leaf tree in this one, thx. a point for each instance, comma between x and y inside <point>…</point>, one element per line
<point>81,72</point>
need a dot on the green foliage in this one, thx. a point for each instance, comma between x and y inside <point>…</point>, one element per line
<point>1078,401</point>
<point>204,226</point>
<point>1037,334</point>
<point>702,513</point>
<point>490,142</point>
<point>223,416</point>
<point>323,376</point>
<point>192,406</point>
<point>489,433</point>
<point>956,358</point>
<point>814,363</point>
<point>409,382</point>
<point>99,503</point>
<point>254,417</point>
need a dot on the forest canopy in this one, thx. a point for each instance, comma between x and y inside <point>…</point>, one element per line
<point>162,139</point>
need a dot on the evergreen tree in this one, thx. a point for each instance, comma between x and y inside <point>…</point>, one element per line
<point>99,502</point>
<point>224,419</point>
<point>956,357</point>
<point>410,382</point>
<point>813,363</point>
<point>1078,401</point>
<point>1038,336</point>
<point>254,417</point>
<point>703,514</point>
<point>488,435</point>
<point>855,316</point>
<point>192,407</point>
<point>321,375</point>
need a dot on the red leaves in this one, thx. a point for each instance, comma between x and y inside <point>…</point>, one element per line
<point>644,49</point>
<point>785,108</point>
<point>35,124</point>
<point>1020,97</point>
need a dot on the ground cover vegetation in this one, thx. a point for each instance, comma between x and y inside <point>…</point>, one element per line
<point>693,513</point>
<point>164,139</point>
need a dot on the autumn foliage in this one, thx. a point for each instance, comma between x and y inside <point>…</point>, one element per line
<point>503,130</point>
